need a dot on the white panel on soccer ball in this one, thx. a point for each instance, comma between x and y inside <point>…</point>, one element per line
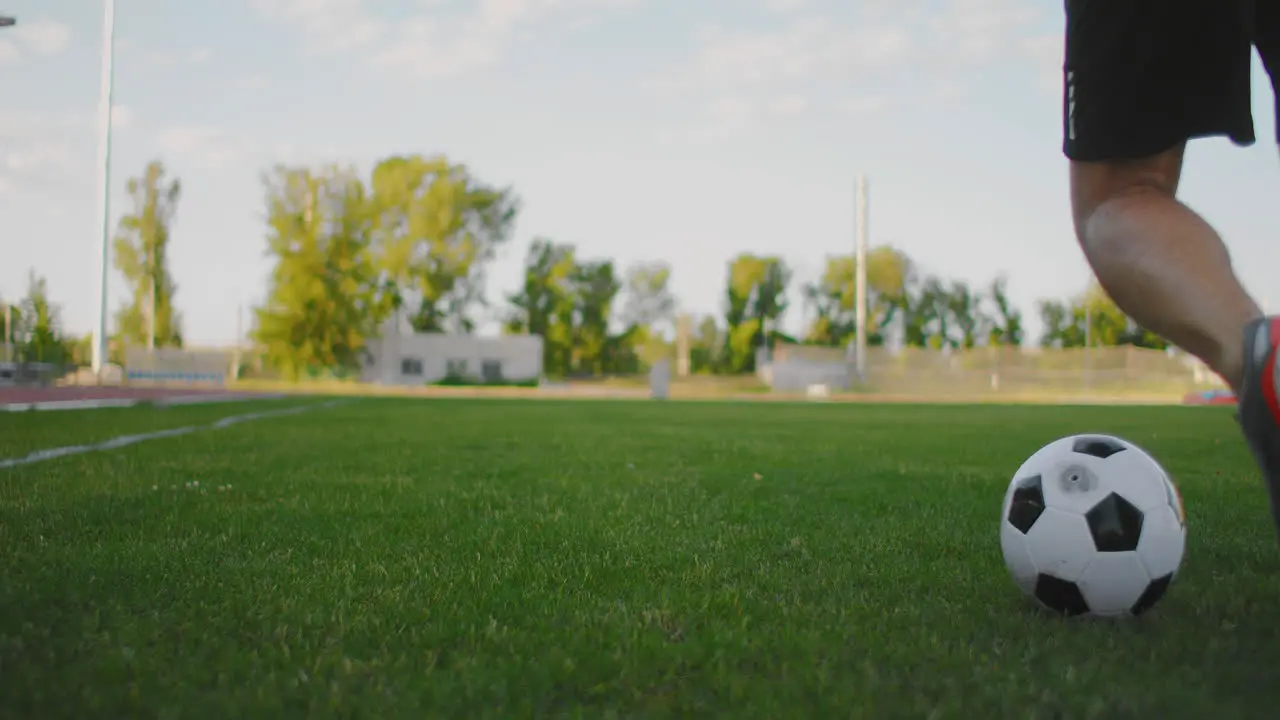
<point>1073,482</point>
<point>1060,544</point>
<point>1174,499</point>
<point>1163,542</point>
<point>1084,469</point>
<point>1017,556</point>
<point>1113,582</point>
<point>1044,458</point>
<point>1137,477</point>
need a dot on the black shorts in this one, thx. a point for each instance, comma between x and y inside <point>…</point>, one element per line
<point>1143,76</point>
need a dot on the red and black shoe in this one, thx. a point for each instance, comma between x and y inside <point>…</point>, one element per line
<point>1259,403</point>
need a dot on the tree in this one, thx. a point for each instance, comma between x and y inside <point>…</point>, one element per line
<point>649,301</point>
<point>10,321</point>
<point>325,297</point>
<point>1060,328</point>
<point>141,255</point>
<point>834,296</point>
<point>934,307</point>
<point>915,307</point>
<point>1006,324</point>
<point>965,309</point>
<point>756,297</point>
<point>436,228</point>
<point>37,327</point>
<point>544,304</point>
<point>705,345</point>
<point>648,307</point>
<point>1092,317</point>
<point>594,289</point>
<point>938,313</point>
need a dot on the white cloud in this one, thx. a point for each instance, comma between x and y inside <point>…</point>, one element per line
<point>806,48</point>
<point>40,157</point>
<point>785,6</point>
<point>252,81</point>
<point>868,104</point>
<point>1045,53</point>
<point>38,149</point>
<point>122,117</point>
<point>42,36</point>
<point>330,24</point>
<point>35,163</point>
<point>204,147</point>
<point>978,30</point>
<point>441,38</point>
<point>867,56</point>
<point>788,106</point>
<point>164,60</point>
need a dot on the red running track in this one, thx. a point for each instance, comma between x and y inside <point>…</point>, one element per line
<point>9,395</point>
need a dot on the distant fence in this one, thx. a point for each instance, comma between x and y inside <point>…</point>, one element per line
<point>919,371</point>
<point>15,374</point>
<point>178,365</point>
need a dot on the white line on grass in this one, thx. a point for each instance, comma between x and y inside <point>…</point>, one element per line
<point>124,440</point>
<point>94,404</point>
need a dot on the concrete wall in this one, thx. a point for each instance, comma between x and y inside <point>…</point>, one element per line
<point>798,375</point>
<point>422,358</point>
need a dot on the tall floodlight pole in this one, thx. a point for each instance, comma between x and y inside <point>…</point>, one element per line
<point>104,178</point>
<point>860,270</point>
<point>8,21</point>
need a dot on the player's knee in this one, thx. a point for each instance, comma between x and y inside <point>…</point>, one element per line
<point>1096,184</point>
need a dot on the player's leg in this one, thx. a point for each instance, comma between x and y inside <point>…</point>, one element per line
<point>1259,402</point>
<point>1143,77</point>
<point>1160,261</point>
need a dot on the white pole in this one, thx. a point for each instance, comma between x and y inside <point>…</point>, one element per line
<point>104,170</point>
<point>151,312</point>
<point>860,269</point>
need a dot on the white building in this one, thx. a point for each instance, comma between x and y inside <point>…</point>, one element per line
<point>409,358</point>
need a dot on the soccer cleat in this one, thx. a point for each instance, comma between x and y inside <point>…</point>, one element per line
<point>1259,413</point>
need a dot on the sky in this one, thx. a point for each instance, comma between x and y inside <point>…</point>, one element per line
<point>682,130</point>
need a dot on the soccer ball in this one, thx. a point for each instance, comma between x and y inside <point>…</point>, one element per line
<point>1092,525</point>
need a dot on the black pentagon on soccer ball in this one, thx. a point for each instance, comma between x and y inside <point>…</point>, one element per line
<point>1152,594</point>
<point>1115,524</point>
<point>1060,596</point>
<point>1027,505</point>
<point>1097,446</point>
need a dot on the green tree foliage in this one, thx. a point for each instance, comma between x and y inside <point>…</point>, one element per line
<point>36,328</point>
<point>1092,317</point>
<point>416,238</point>
<point>141,255</point>
<point>756,295</point>
<point>1006,320</point>
<point>544,304</point>
<point>965,309</point>
<point>648,311</point>
<point>571,304</point>
<point>10,321</point>
<point>435,228</point>
<point>934,309</point>
<point>706,346</point>
<point>325,298</point>
<point>595,288</point>
<point>833,297</point>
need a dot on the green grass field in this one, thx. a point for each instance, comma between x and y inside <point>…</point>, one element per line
<point>507,558</point>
